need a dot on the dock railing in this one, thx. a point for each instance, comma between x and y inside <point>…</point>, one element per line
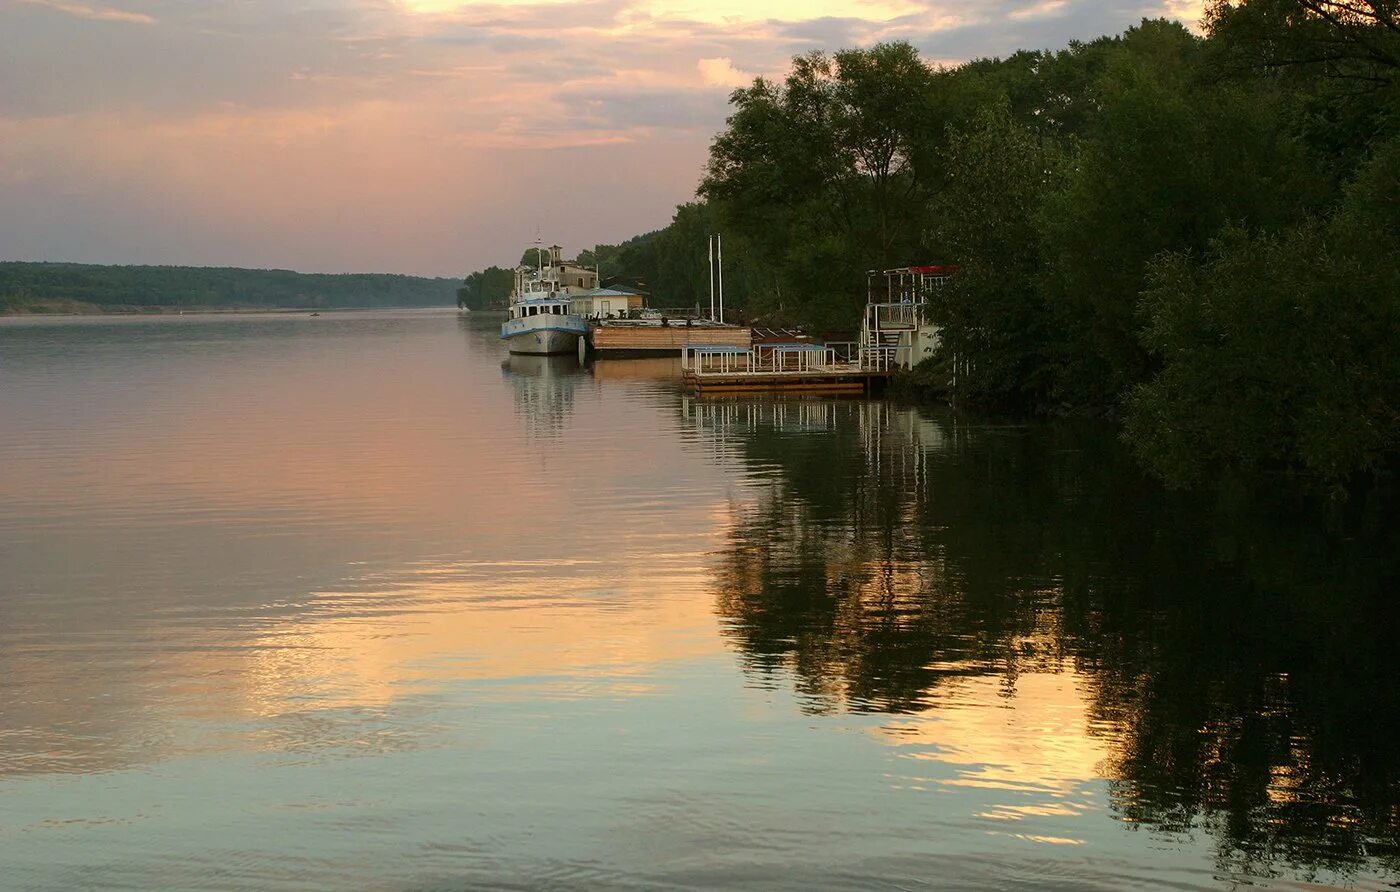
<point>794,358</point>
<point>877,359</point>
<point>702,360</point>
<point>845,351</point>
<point>715,359</point>
<point>895,317</point>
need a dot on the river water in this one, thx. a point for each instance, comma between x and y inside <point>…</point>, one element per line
<point>356,602</point>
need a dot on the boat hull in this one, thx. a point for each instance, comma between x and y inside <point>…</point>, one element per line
<point>547,342</point>
<point>544,335</point>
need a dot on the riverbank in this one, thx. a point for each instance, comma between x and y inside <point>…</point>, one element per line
<point>28,288</point>
<point>80,308</point>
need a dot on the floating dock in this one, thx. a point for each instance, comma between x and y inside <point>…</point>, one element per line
<point>719,370</point>
<point>661,337</point>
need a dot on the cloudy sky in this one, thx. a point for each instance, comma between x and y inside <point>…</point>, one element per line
<point>418,136</point>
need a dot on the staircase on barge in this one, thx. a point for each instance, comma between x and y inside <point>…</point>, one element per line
<point>895,334</point>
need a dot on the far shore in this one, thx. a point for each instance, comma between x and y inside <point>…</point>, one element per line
<point>50,310</point>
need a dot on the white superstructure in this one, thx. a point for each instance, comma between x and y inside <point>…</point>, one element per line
<point>541,322</point>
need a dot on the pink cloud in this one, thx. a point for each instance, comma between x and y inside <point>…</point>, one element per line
<point>408,136</point>
<point>100,13</point>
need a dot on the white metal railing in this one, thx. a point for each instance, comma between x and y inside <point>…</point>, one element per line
<point>704,360</point>
<point>845,351</point>
<point>901,317</point>
<point>793,357</point>
<point>877,359</point>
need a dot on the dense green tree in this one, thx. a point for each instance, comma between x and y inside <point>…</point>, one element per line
<point>1166,162</point>
<point>1194,231</point>
<point>820,175</point>
<point>1280,351</point>
<point>486,288</point>
<point>995,324</point>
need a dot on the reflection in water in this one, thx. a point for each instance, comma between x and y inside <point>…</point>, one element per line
<point>544,390</point>
<point>1227,665</point>
<point>410,617</point>
<point>656,368</point>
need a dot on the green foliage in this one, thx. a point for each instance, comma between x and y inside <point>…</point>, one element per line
<point>134,287</point>
<point>822,177</point>
<point>1197,231</point>
<point>1166,162</point>
<point>1280,351</point>
<point>486,289</point>
<point>993,313</point>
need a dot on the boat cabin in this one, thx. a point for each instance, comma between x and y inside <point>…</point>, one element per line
<point>539,306</point>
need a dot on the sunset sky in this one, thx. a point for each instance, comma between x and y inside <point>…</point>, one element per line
<point>418,136</point>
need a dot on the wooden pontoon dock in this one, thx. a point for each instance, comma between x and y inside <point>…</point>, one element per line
<point>650,337</point>
<point>785,368</point>
<point>895,334</point>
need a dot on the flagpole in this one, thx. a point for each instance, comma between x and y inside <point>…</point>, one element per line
<point>719,240</point>
<point>712,278</point>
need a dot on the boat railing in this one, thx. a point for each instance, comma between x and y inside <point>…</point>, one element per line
<point>675,312</point>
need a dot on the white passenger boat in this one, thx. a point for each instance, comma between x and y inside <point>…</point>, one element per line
<point>542,321</point>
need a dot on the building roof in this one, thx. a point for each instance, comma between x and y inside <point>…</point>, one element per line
<point>610,292</point>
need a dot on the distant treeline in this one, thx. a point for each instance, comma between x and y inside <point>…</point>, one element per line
<point>1197,234</point>
<point>36,287</point>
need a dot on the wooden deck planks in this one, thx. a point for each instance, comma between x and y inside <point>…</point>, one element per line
<point>662,339</point>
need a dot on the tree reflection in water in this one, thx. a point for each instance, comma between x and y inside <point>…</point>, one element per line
<point>1239,649</point>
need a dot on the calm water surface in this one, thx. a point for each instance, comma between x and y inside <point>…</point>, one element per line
<point>357,602</point>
